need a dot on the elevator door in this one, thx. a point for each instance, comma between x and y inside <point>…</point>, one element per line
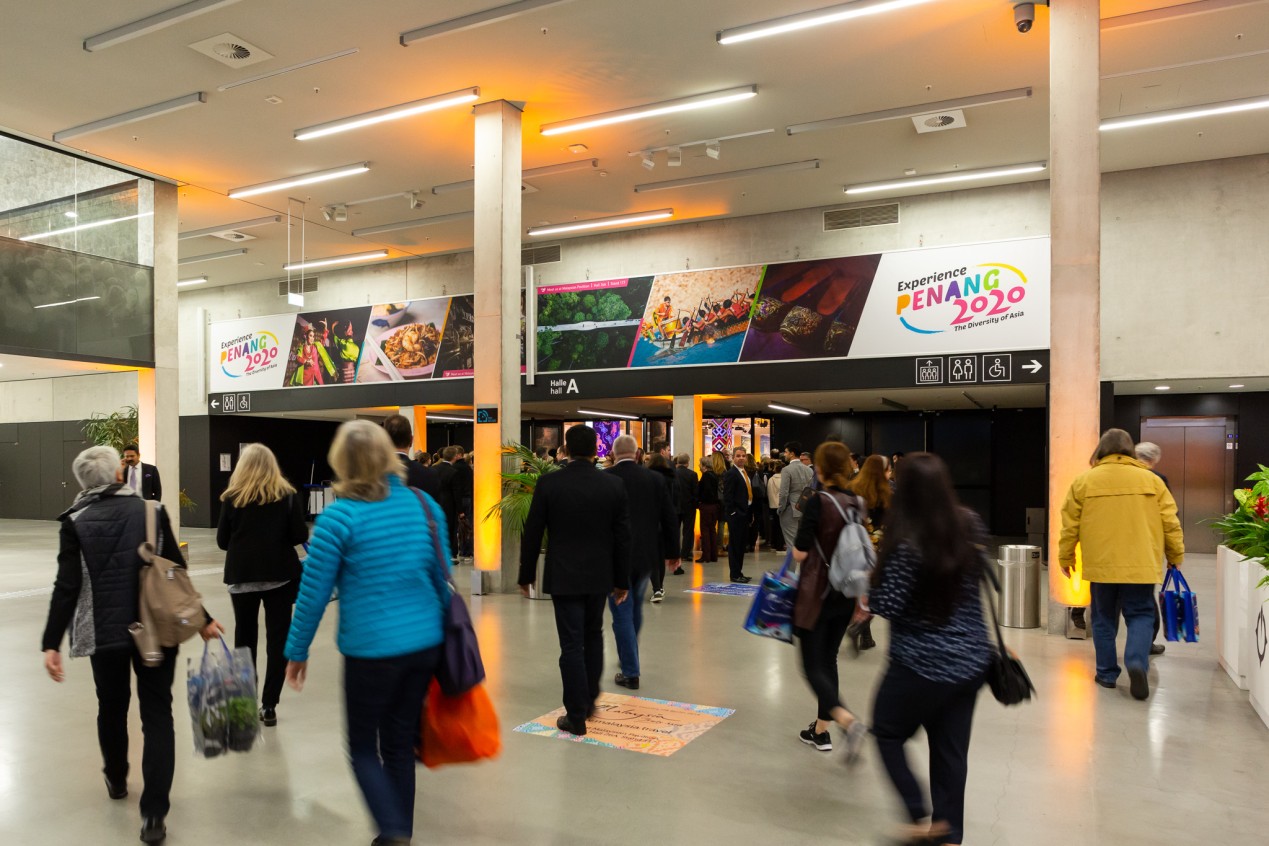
<point>1199,469</point>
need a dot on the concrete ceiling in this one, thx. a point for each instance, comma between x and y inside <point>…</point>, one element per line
<point>580,58</point>
<point>16,368</point>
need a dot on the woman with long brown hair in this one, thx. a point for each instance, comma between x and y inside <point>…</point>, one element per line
<point>707,503</point>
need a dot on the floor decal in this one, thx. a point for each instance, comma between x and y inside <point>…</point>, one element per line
<point>636,724</point>
<point>725,589</point>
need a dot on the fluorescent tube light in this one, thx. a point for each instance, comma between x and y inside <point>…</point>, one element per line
<point>615,414</point>
<point>242,224</point>
<point>775,406</point>
<point>807,20</point>
<point>683,104</point>
<point>706,178</point>
<point>1225,108</point>
<point>404,110</point>
<point>498,13</point>
<point>82,226</point>
<point>348,259</point>
<point>153,23</point>
<point>531,173</point>
<point>197,280</point>
<point>602,222</point>
<point>412,224</point>
<point>173,105</point>
<point>447,418</point>
<point>288,69</point>
<point>303,179</point>
<point>942,178</point>
<point>212,256</point>
<point>1238,386</point>
<point>1163,387</point>
<point>67,302</point>
<point>911,111</point>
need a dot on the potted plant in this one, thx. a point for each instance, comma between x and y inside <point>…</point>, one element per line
<point>214,728</point>
<point>1246,530</point>
<point>118,429</point>
<point>1242,591</point>
<point>242,722</point>
<point>518,487</point>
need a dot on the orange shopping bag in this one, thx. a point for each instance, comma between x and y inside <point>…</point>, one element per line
<point>458,729</point>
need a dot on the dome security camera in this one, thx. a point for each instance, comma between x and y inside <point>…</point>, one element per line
<point>1024,15</point>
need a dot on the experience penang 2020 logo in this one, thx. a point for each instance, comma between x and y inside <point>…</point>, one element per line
<point>961,298</point>
<point>249,354</point>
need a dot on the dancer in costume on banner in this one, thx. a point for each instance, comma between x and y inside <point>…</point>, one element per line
<point>311,360</point>
<point>346,350</point>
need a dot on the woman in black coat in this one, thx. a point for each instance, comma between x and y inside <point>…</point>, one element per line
<point>261,522</point>
<point>708,499</point>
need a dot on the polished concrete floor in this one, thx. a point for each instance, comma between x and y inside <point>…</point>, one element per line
<point>1079,765</point>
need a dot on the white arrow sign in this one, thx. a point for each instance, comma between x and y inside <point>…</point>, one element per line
<point>1034,366</point>
<point>215,404</point>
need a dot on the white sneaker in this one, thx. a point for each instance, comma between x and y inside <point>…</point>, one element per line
<point>658,595</point>
<point>856,734</point>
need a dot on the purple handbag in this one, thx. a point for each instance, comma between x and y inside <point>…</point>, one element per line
<point>460,668</point>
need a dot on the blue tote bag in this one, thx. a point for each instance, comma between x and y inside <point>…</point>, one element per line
<point>1178,606</point>
<point>771,614</point>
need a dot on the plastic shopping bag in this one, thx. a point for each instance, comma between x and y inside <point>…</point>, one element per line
<point>222,700</point>
<point>458,729</point>
<point>1178,606</point>
<point>771,614</point>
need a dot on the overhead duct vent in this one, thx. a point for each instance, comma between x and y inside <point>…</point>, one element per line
<point>233,235</point>
<point>939,121</point>
<point>860,217</point>
<point>540,255</point>
<point>310,286</point>
<point>230,50</point>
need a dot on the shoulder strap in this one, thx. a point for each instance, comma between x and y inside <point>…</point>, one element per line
<point>442,565</point>
<point>151,524</point>
<point>989,577</point>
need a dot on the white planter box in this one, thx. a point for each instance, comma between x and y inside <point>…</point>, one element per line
<point>1257,671</point>
<point>1234,586</point>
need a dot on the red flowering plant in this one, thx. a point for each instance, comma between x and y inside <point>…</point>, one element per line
<point>1246,530</point>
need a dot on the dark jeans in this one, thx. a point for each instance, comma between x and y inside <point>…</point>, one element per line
<point>709,532</point>
<point>277,623</point>
<point>1135,603</point>
<point>579,620</point>
<point>627,622</point>
<point>905,702</point>
<point>819,648</point>
<point>737,541</point>
<point>687,525</point>
<point>383,700</point>
<point>112,674</point>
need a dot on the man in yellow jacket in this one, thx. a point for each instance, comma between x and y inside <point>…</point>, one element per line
<point>1124,520</point>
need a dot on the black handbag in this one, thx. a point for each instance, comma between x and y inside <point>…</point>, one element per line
<point>461,667</point>
<point>1006,676</point>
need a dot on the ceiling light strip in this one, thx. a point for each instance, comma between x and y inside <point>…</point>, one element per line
<point>531,173</point>
<point>67,302</point>
<point>1172,115</point>
<point>447,418</point>
<point>602,222</point>
<point>288,69</point>
<point>303,179</point>
<point>402,110</point>
<point>212,256</point>
<point>153,23</point>
<point>808,20</point>
<point>352,258</point>
<point>498,13</point>
<point>242,224</point>
<point>912,111</point>
<point>593,413</point>
<point>1172,12</point>
<point>173,105</point>
<point>775,406</point>
<point>707,178</point>
<point>197,280</point>
<point>947,178</point>
<point>682,104</point>
<point>82,226</point>
<point>412,224</point>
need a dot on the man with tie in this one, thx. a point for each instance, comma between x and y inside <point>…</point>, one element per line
<point>142,478</point>
<point>737,499</point>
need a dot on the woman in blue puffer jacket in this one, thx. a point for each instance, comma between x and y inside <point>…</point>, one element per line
<point>378,544</point>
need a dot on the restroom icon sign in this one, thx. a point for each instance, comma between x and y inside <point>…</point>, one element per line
<point>962,369</point>
<point>997,367</point>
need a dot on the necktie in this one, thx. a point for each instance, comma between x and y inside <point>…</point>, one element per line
<point>133,473</point>
<point>748,487</point>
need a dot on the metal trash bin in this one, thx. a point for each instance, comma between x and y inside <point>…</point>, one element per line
<point>1019,569</point>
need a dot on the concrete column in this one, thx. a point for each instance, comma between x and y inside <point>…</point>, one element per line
<point>686,425</point>
<point>497,365</point>
<point>158,406</point>
<point>1075,200</point>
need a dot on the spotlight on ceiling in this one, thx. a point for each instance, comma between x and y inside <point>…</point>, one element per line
<point>674,157</point>
<point>647,161</point>
<point>340,212</point>
<point>328,213</point>
<point>415,202</point>
<point>714,150</point>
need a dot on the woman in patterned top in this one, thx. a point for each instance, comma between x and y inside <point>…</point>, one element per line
<point>927,585</point>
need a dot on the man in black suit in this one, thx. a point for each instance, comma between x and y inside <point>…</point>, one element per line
<point>653,527</point>
<point>464,484</point>
<point>687,483</point>
<point>737,499</point>
<point>445,472</point>
<point>585,517</point>
<point>142,478</point>
<point>416,475</point>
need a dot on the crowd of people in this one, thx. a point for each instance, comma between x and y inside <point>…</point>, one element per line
<point>609,536</point>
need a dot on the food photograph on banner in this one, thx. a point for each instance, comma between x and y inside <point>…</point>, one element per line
<point>697,317</point>
<point>456,358</point>
<point>590,325</point>
<point>809,309</point>
<point>403,340</point>
<point>326,347</point>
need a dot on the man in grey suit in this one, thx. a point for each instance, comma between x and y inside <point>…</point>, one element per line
<point>794,479</point>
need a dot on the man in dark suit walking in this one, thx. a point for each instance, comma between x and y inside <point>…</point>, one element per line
<point>142,478</point>
<point>464,484</point>
<point>416,475</point>
<point>445,472</point>
<point>585,517</point>
<point>687,484</point>
<point>737,499</point>
<point>653,527</point>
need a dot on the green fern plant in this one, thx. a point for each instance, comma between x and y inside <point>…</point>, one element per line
<point>116,429</point>
<point>518,487</point>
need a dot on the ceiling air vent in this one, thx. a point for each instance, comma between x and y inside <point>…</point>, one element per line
<point>540,255</point>
<point>310,286</point>
<point>856,218</point>
<point>938,121</point>
<point>229,49</point>
<point>233,235</point>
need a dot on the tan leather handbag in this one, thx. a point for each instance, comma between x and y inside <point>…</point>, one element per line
<point>169,608</point>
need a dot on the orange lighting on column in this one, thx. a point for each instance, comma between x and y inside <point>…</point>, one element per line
<point>420,428</point>
<point>1073,591</point>
<point>487,534</point>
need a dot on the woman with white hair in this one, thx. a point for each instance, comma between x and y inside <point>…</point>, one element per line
<point>385,547</point>
<point>95,597</point>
